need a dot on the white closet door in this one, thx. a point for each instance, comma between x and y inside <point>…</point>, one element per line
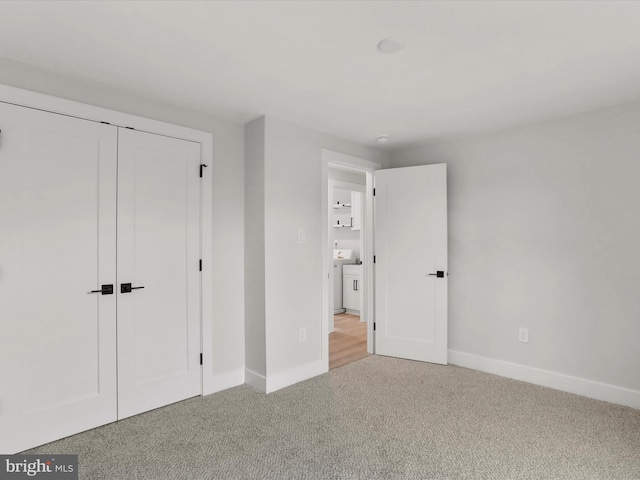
<point>57,243</point>
<point>158,254</point>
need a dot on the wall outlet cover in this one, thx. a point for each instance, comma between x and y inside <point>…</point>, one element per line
<point>523,335</point>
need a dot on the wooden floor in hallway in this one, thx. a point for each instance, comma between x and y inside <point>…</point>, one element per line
<point>348,342</point>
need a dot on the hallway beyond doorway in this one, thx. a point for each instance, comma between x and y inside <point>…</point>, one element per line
<point>348,342</point>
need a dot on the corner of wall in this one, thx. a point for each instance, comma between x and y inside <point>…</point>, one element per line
<point>277,381</point>
<point>254,251</point>
<point>224,381</point>
<point>255,380</point>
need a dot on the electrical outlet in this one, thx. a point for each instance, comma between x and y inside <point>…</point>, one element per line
<point>303,334</point>
<point>523,336</point>
<point>302,236</point>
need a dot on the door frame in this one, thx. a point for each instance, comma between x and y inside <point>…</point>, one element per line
<point>26,98</point>
<point>343,161</point>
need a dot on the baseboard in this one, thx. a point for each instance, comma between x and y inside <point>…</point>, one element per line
<point>280,380</point>
<point>257,381</point>
<point>222,381</point>
<point>546,378</point>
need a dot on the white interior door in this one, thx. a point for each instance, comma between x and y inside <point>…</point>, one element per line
<point>158,255</point>
<point>57,244</point>
<point>410,249</point>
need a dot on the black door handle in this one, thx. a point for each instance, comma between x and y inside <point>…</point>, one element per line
<point>105,290</point>
<point>127,288</point>
<point>439,274</point>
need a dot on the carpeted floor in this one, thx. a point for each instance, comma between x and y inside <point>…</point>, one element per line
<point>378,418</point>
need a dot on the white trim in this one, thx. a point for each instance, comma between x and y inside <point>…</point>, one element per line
<point>356,187</point>
<point>546,378</point>
<point>257,381</point>
<point>347,162</point>
<point>367,307</point>
<point>62,106</point>
<point>326,256</point>
<point>222,381</point>
<point>293,375</point>
<point>209,378</point>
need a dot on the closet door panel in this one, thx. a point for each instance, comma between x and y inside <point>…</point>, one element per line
<point>57,243</point>
<point>158,249</point>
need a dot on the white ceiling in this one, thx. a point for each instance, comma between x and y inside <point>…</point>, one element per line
<point>467,66</point>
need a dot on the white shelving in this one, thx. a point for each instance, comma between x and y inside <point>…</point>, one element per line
<point>355,219</point>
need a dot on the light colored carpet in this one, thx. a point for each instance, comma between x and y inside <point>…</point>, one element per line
<point>378,418</point>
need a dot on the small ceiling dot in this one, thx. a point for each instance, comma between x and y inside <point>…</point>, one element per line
<point>391,45</point>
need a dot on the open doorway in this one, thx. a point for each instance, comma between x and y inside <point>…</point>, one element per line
<point>347,327</point>
<point>411,216</point>
<point>352,174</point>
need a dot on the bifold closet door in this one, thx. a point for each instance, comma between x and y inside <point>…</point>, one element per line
<point>158,271</point>
<point>57,245</point>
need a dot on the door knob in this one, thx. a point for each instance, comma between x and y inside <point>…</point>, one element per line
<point>439,274</point>
<point>127,288</point>
<point>104,290</point>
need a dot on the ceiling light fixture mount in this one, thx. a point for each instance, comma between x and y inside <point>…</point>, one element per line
<point>390,45</point>
<point>382,139</point>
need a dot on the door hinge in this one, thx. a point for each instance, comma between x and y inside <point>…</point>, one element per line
<point>200,359</point>
<point>202,165</point>
<point>374,192</point>
<point>106,123</point>
<point>129,128</point>
<point>374,259</point>
<point>374,325</point>
<point>200,264</point>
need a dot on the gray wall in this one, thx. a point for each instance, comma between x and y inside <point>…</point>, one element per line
<point>544,233</point>
<point>292,271</point>
<point>293,201</point>
<point>255,342</point>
